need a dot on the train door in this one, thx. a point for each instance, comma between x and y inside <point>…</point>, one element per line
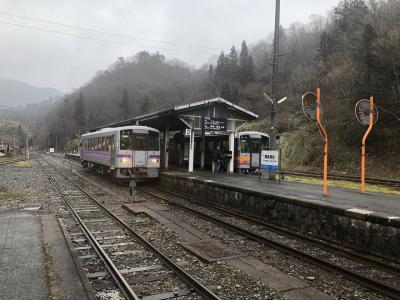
<point>255,152</point>
<point>244,152</point>
<point>112,162</point>
<point>139,150</point>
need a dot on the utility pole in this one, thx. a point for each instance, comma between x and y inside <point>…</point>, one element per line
<point>27,141</point>
<point>274,110</point>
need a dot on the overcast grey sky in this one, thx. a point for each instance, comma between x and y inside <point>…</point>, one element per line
<point>64,62</point>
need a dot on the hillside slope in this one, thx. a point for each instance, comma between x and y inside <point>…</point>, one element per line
<point>15,93</point>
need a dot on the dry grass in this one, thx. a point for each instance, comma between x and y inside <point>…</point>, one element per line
<point>24,164</point>
<point>346,185</point>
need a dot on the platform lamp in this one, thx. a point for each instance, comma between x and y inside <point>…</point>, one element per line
<point>274,125</point>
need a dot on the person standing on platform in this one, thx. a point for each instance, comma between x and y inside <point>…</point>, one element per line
<point>216,156</point>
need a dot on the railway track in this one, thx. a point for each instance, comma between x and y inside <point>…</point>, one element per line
<point>384,182</point>
<point>132,263</point>
<point>369,272</point>
<point>376,181</point>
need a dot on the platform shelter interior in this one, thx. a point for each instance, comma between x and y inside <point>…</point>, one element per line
<point>190,132</point>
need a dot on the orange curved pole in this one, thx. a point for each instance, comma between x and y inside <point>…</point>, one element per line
<point>325,137</point>
<point>371,124</point>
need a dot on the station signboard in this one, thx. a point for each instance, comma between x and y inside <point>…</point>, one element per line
<point>214,124</point>
<point>269,160</point>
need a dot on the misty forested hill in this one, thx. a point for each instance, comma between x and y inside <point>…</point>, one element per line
<point>16,93</point>
<point>352,54</point>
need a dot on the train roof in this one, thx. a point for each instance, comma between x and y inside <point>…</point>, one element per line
<point>111,129</point>
<point>254,134</point>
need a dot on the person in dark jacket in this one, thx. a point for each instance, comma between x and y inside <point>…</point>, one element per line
<point>216,156</point>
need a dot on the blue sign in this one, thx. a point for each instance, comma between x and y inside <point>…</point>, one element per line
<point>269,168</point>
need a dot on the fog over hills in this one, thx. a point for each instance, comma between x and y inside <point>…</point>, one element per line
<point>15,93</point>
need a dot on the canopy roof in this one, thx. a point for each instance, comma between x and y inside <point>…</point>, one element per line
<point>172,117</point>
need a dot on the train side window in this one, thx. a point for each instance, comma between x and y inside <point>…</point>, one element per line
<point>154,141</point>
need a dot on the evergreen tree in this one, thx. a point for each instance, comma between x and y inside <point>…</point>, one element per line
<point>232,69</point>
<point>145,105</point>
<point>79,112</point>
<point>124,106</point>
<point>221,66</point>
<point>21,136</point>
<point>246,64</point>
<point>210,72</point>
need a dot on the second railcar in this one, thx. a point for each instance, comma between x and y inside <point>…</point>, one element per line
<point>248,148</point>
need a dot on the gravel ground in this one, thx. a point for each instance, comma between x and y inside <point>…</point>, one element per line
<point>326,282</point>
<point>322,280</point>
<point>228,282</point>
<point>22,187</point>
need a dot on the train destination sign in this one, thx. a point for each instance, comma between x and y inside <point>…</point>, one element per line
<point>214,124</point>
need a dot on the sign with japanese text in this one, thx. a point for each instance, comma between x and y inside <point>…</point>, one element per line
<point>214,124</point>
<point>269,160</point>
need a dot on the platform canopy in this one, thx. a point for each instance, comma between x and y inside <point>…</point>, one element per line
<point>190,116</point>
<point>215,116</point>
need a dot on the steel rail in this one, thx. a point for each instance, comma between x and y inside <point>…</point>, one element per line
<point>112,269</point>
<point>363,258</point>
<point>182,274</point>
<point>363,280</point>
<point>378,181</point>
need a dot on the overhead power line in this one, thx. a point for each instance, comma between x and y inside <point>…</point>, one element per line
<point>100,40</point>
<point>106,33</point>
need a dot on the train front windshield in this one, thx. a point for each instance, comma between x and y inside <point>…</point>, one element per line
<point>139,141</point>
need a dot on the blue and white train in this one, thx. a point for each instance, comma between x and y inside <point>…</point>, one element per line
<point>124,152</point>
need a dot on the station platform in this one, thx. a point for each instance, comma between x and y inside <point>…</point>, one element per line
<point>368,222</point>
<point>34,259</point>
<point>346,199</point>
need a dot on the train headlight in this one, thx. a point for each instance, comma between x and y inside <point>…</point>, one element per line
<point>154,161</point>
<point>125,160</point>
